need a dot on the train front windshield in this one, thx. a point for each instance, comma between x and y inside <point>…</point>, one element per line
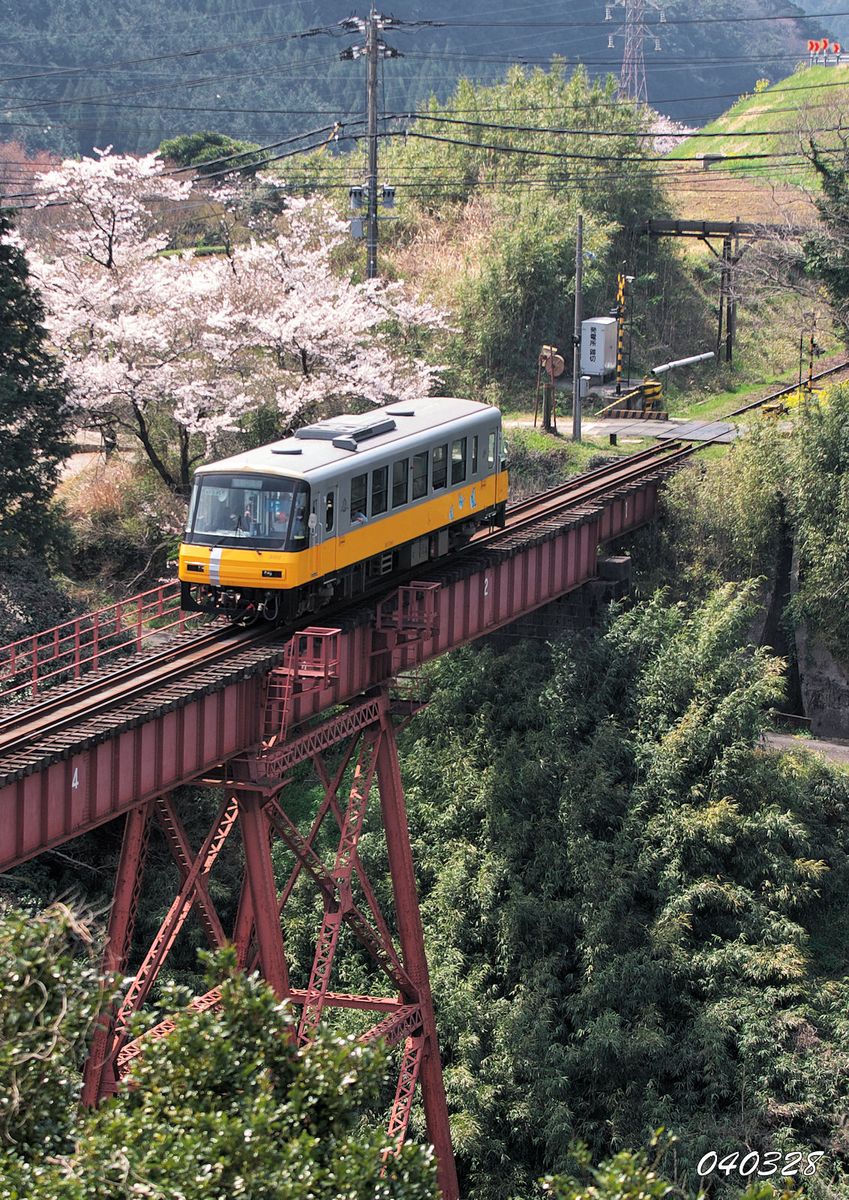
<point>266,511</point>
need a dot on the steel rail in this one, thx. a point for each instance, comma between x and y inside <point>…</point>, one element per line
<point>91,683</point>
<point>136,680</point>
<point>592,484</point>
<point>137,676</point>
<point>583,489</point>
<point>575,482</point>
<point>785,391</point>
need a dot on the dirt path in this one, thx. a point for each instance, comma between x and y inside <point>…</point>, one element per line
<point>833,751</point>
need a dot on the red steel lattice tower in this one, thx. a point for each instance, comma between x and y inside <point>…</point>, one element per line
<point>353,754</point>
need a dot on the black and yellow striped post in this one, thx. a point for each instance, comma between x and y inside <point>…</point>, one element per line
<point>620,329</point>
<point>812,346</point>
<point>650,391</point>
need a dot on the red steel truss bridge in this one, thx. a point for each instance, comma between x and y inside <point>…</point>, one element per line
<point>106,716</point>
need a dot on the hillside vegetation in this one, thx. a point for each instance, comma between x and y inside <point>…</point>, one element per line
<point>779,121</point>
<point>129,74</point>
<point>636,917</point>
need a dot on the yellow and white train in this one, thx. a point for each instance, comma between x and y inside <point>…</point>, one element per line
<point>285,529</point>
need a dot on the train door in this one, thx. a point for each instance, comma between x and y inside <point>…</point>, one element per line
<point>323,520</point>
<point>329,528</point>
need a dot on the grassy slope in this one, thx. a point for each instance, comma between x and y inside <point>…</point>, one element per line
<point>730,196</point>
<point>785,115</point>
<point>772,194</point>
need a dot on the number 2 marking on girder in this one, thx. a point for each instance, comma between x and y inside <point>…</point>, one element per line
<point>75,779</point>
<point>486,585</point>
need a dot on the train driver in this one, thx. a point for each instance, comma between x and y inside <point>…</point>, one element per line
<point>280,510</point>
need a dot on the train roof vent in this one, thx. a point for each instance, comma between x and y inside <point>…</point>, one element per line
<point>401,412</point>
<point>287,450</point>
<point>347,432</point>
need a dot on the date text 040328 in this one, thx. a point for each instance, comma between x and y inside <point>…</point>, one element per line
<point>752,1163</point>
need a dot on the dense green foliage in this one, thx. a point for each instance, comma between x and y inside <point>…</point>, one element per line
<point>819,509</point>
<point>515,295</point>
<point>634,915</point>
<point>723,518</point>
<point>512,299</point>
<point>635,918</point>
<point>631,1175</point>
<point>30,599</point>
<point>129,74</point>
<point>227,1106</point>
<point>34,411</point>
<point>196,149</point>
<point>567,107</point>
<point>512,197</point>
<point>49,994</point>
<point>826,250</point>
<point>732,517</point>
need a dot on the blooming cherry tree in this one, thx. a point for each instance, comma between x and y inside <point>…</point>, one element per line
<point>175,349</point>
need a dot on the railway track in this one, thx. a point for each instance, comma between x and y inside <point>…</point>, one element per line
<point>835,369</point>
<point>126,681</point>
<point>134,677</point>
<point>582,489</point>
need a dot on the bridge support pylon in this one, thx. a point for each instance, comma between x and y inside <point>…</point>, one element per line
<point>353,753</point>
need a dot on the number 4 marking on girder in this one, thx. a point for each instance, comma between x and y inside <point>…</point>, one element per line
<point>75,779</point>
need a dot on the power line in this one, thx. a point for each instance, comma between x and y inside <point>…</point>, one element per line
<point>774,90</point>
<point>52,73</point>
<point>201,81</point>
<point>591,107</point>
<point>463,185</point>
<point>298,137</point>
<point>549,59</point>
<point>666,20</point>
<point>346,137</point>
<point>594,104</point>
<point>589,133</point>
<point>505,149</point>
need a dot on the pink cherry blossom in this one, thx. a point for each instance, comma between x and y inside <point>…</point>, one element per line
<point>173,351</point>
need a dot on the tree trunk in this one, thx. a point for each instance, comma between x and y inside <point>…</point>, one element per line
<point>150,450</point>
<point>185,464</point>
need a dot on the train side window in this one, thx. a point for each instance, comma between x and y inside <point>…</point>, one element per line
<point>359,497</point>
<point>420,475</point>
<point>458,460</point>
<point>379,490</point>
<point>490,451</point>
<point>328,513</point>
<point>400,480</point>
<point>440,467</point>
<point>475,455</point>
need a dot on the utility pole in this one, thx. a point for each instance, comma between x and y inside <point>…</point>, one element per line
<point>620,326</point>
<point>576,336</point>
<point>373,50</point>
<point>371,117</point>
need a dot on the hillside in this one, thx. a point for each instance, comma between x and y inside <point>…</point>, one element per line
<point>833,17</point>
<point>809,103</point>
<point>81,74</point>
<point>733,196</point>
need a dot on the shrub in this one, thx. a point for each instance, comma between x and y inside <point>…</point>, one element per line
<point>198,149</point>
